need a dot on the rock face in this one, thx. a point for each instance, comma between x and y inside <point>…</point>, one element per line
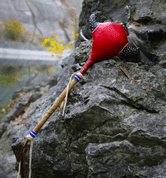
<point>14,118</point>
<point>151,15</point>
<point>42,16</point>
<point>113,127</point>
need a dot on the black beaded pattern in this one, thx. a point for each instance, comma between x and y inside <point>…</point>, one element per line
<point>128,52</point>
<point>126,30</point>
<point>93,23</point>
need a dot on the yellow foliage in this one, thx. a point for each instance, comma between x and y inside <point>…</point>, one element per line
<point>9,79</point>
<point>46,41</point>
<point>3,110</point>
<point>61,47</point>
<point>25,109</point>
<point>22,94</point>
<point>74,34</point>
<point>70,46</point>
<point>57,46</point>
<point>60,51</point>
<point>52,43</point>
<point>14,28</point>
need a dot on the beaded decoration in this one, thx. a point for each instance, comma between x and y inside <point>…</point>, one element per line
<point>128,51</point>
<point>77,77</point>
<point>93,21</point>
<point>33,133</point>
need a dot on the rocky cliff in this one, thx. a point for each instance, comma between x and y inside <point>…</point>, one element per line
<point>42,17</point>
<point>113,127</point>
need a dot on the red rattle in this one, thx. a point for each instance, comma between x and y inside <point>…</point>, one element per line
<point>109,40</point>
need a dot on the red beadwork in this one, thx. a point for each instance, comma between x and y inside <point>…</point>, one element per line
<point>108,40</point>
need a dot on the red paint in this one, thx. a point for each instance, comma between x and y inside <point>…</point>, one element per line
<point>108,40</point>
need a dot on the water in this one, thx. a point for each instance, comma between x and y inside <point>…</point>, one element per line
<point>15,77</point>
<point>20,68</point>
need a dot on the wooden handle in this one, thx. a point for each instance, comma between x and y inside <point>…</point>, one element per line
<point>54,106</point>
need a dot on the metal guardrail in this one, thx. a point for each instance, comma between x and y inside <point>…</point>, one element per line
<point>26,57</point>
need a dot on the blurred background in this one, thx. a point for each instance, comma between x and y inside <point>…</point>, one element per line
<point>35,35</point>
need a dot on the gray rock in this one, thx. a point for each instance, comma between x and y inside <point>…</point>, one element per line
<point>34,97</point>
<point>52,81</point>
<point>40,16</point>
<point>117,159</point>
<point>19,91</point>
<point>152,19</point>
<point>162,64</point>
<point>113,127</point>
<point>7,159</point>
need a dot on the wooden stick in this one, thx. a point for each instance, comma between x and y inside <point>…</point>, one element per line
<point>54,106</point>
<point>128,74</point>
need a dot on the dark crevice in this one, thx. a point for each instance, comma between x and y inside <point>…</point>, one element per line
<point>134,105</point>
<point>130,102</point>
<point>145,141</point>
<point>123,177</point>
<point>37,8</point>
<point>33,16</point>
<point>157,35</point>
<point>157,38</point>
<point>140,176</point>
<point>146,20</point>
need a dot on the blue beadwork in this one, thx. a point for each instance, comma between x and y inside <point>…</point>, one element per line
<point>33,133</point>
<point>77,77</point>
